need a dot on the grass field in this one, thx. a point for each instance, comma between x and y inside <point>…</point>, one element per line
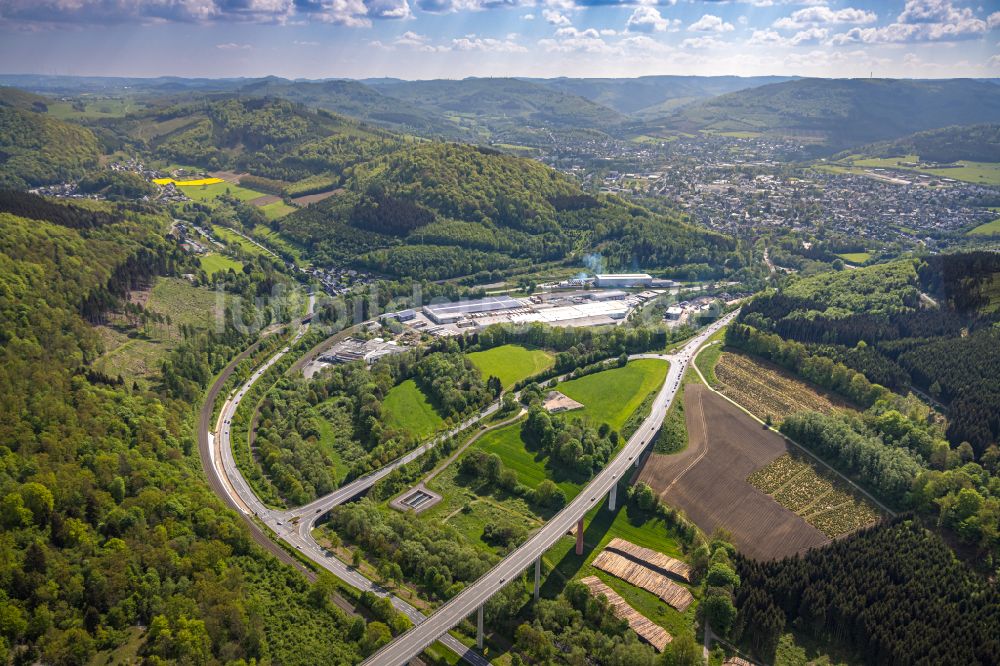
<point>209,192</point>
<point>511,363</point>
<point>326,442</point>
<point>135,354</point>
<point>856,257</point>
<point>230,238</point>
<point>531,468</point>
<point>214,262</point>
<point>813,492</point>
<point>767,390</point>
<point>611,396</point>
<point>96,108</point>
<point>981,173</point>
<point>709,356</point>
<point>407,408</point>
<point>277,210</point>
<point>988,229</point>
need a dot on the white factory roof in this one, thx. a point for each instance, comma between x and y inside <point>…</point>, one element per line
<point>620,276</point>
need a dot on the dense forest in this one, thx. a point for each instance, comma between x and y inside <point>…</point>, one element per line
<point>38,150</point>
<point>977,143</point>
<point>891,594</point>
<point>110,534</point>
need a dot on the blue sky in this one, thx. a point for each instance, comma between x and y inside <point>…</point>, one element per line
<point>458,38</point>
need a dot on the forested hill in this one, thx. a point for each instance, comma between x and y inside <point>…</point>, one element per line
<point>845,112</point>
<point>110,539</point>
<point>270,138</point>
<point>976,143</point>
<point>38,150</point>
<point>647,95</point>
<point>506,110</point>
<point>354,99</point>
<point>440,210</point>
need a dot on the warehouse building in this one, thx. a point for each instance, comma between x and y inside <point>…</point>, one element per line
<point>449,313</point>
<point>623,280</point>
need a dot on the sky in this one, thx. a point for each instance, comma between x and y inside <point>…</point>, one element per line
<point>423,39</point>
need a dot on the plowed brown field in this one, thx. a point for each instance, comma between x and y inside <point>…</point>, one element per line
<point>708,479</point>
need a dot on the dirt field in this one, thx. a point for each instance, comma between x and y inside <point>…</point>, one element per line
<point>766,389</point>
<point>708,479</point>
<point>264,200</point>
<point>313,198</point>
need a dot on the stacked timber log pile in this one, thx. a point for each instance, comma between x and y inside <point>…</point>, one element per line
<point>652,559</point>
<point>652,633</point>
<point>644,577</point>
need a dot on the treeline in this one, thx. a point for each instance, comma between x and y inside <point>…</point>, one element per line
<point>570,444</point>
<point>891,594</point>
<point>66,215</point>
<point>794,356</point>
<point>872,322</point>
<point>890,471</point>
<point>434,556</point>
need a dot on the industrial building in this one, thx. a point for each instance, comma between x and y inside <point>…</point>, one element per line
<point>449,313</point>
<point>623,280</point>
<point>609,295</point>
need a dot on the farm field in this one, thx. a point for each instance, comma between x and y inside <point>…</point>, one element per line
<point>988,229</point>
<point>855,257</point>
<point>612,395</point>
<point>213,262</point>
<point>819,496</point>
<point>277,210</point>
<point>407,408</point>
<point>511,363</point>
<point>765,389</point>
<point>135,353</point>
<point>231,238</point>
<point>210,192</point>
<point>708,479</point>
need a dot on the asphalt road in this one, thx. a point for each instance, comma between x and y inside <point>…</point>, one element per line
<point>295,526</point>
<point>413,642</point>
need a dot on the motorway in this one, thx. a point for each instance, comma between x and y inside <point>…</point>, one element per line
<point>413,642</point>
<point>294,526</point>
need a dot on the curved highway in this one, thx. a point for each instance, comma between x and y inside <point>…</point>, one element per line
<point>294,526</point>
<point>413,642</point>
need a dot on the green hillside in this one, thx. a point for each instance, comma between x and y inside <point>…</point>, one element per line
<point>975,143</point>
<point>844,112</point>
<point>440,210</point>
<point>38,150</point>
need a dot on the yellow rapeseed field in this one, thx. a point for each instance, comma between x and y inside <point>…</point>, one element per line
<point>188,183</point>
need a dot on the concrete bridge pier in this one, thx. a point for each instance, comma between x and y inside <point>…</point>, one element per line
<point>612,496</point>
<point>579,537</point>
<point>479,628</point>
<point>538,575</point>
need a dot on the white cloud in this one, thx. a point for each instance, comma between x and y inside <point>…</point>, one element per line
<point>821,15</point>
<point>993,20</point>
<point>921,20</point>
<point>298,42</point>
<point>410,38</point>
<point>809,36</point>
<point>765,37</point>
<point>994,61</point>
<point>708,42</point>
<point>647,19</point>
<point>710,23</point>
<point>487,44</point>
<point>233,46</point>
<point>555,18</point>
<point>528,17</point>
<point>569,40</point>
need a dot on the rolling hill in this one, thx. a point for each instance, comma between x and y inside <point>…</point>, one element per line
<point>652,95</point>
<point>840,113</point>
<point>976,143</point>
<point>38,150</point>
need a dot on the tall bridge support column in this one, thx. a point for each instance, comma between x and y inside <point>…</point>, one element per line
<point>579,537</point>
<point>538,575</point>
<point>479,628</point>
<point>612,496</point>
